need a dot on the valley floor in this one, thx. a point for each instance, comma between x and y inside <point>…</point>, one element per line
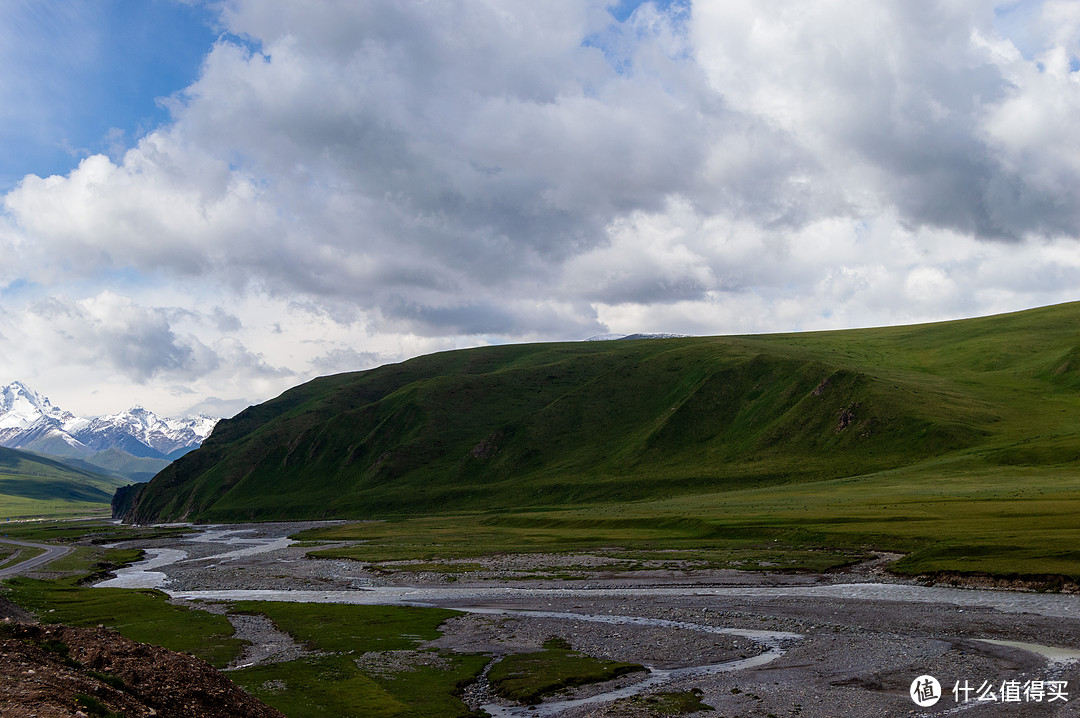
<point>752,643</point>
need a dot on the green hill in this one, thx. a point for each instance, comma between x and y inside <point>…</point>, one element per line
<point>120,465</point>
<point>588,423</point>
<point>35,485</point>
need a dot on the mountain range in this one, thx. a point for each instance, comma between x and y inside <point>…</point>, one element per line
<point>135,444</point>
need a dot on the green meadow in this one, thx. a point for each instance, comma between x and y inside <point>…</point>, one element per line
<point>974,521</point>
<point>33,486</point>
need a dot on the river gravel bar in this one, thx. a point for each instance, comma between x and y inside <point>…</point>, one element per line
<point>838,644</point>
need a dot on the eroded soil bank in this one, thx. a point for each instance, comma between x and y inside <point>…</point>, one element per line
<point>856,640</point>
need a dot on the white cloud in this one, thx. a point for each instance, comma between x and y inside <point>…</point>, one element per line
<point>359,182</point>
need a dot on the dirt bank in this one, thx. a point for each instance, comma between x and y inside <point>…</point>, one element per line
<point>48,671</point>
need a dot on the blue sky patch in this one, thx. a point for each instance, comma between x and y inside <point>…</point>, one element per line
<point>84,77</point>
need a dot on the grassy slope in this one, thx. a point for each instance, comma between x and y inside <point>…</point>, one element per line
<point>120,465</point>
<point>960,444</point>
<point>594,422</point>
<point>34,485</point>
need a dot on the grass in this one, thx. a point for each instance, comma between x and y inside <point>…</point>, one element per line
<point>333,684</point>
<point>34,486</point>
<point>328,683</point>
<point>15,509</point>
<point>18,555</point>
<point>966,517</point>
<point>344,628</point>
<point>141,615</point>
<point>672,703</point>
<point>94,707</point>
<point>97,531</point>
<point>92,558</point>
<point>529,677</point>
<point>565,424</point>
<point>628,538</point>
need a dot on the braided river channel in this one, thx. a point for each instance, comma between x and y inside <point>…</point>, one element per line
<point>849,644</point>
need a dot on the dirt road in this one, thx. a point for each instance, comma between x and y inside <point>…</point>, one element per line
<point>37,562</point>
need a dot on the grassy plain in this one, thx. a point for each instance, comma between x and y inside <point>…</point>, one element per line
<point>96,531</point>
<point>20,508</point>
<point>945,516</point>
<point>140,614</point>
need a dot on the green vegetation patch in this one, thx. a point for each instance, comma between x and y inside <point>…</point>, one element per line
<point>528,677</point>
<point>18,554</point>
<point>93,560</point>
<point>94,707</point>
<point>671,703</point>
<point>92,530</point>
<point>316,687</point>
<point>33,485</point>
<point>955,515</point>
<point>357,629</point>
<point>18,509</point>
<point>108,679</point>
<point>335,684</point>
<point>709,543</point>
<point>140,614</point>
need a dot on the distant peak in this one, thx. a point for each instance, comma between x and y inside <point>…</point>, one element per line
<point>17,389</point>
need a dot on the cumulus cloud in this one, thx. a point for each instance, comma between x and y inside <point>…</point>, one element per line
<point>390,177</point>
<point>133,340</point>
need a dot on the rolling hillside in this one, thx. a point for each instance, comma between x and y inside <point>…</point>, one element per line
<point>558,425</point>
<point>31,484</point>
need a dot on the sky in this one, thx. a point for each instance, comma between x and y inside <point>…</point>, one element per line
<point>204,203</point>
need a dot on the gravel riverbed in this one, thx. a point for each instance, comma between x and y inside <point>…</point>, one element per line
<point>853,654</point>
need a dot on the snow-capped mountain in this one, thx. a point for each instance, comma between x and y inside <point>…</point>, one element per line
<point>29,421</point>
<point>21,406</point>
